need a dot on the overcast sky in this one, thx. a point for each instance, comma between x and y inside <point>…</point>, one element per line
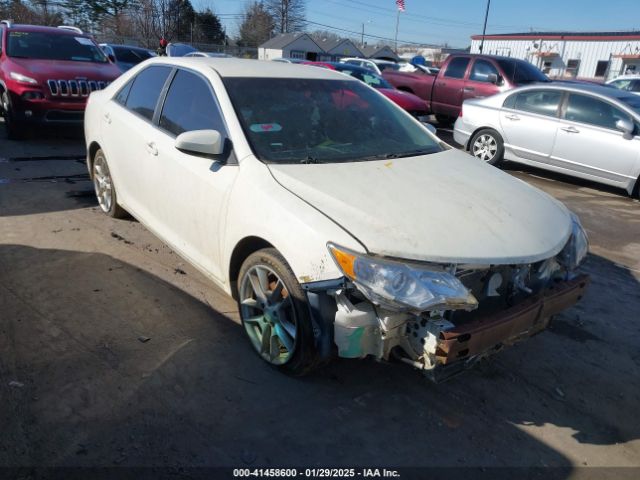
<point>452,21</point>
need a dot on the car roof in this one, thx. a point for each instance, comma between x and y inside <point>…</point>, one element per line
<point>42,29</point>
<point>132,47</point>
<point>635,76</point>
<point>604,90</point>
<point>349,66</point>
<point>238,67</point>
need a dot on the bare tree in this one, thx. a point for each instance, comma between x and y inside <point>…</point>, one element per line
<point>289,15</point>
<point>258,25</point>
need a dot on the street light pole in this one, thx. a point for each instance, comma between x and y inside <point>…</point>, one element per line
<point>484,29</point>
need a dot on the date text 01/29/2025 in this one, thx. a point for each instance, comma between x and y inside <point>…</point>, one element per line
<point>315,473</point>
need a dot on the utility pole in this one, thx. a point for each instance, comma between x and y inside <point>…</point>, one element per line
<point>397,26</point>
<point>362,38</point>
<point>484,29</point>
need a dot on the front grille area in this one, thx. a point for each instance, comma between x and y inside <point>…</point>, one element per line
<point>74,88</point>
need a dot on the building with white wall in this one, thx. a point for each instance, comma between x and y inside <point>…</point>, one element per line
<point>597,55</point>
<point>290,45</point>
<point>302,46</point>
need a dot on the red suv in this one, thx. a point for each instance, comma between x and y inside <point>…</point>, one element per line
<point>47,74</point>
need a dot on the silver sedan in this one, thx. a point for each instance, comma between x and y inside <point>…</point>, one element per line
<point>587,131</point>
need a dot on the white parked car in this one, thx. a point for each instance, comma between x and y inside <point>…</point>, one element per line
<point>337,221</point>
<point>627,83</point>
<point>373,64</point>
<point>587,131</point>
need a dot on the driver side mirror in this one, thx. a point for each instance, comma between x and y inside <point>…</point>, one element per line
<point>495,79</point>
<point>626,127</point>
<point>201,142</point>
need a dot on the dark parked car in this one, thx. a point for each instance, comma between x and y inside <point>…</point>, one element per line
<point>126,56</point>
<point>465,76</point>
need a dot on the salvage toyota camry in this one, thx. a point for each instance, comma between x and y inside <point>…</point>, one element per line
<point>338,222</point>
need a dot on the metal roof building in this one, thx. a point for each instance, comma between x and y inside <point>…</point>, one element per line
<point>290,45</point>
<point>304,47</point>
<point>589,55</point>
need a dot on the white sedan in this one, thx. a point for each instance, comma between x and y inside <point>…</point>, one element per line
<point>339,223</point>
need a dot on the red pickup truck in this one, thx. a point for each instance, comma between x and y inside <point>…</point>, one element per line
<point>462,77</point>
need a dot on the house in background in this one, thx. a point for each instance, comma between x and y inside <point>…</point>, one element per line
<point>595,55</point>
<point>382,53</point>
<point>337,48</point>
<point>290,45</point>
<point>302,46</point>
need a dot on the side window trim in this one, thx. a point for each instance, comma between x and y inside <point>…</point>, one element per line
<point>165,92</point>
<point>132,82</point>
<point>155,121</point>
<point>559,109</point>
<point>464,73</point>
<point>593,125</point>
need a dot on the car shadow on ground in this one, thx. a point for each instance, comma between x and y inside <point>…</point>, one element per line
<point>91,377</point>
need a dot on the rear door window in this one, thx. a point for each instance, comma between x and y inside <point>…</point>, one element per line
<point>457,67</point>
<point>190,105</point>
<point>593,111</point>
<point>145,91</point>
<point>542,102</point>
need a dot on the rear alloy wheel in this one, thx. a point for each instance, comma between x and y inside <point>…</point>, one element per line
<point>274,312</point>
<point>104,188</point>
<point>487,145</point>
<point>14,130</point>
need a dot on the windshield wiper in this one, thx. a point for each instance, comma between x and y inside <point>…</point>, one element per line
<point>310,159</point>
<point>413,153</point>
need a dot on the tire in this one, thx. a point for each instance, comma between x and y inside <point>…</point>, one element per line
<point>444,120</point>
<point>279,329</point>
<point>487,145</point>
<point>104,187</point>
<point>15,130</point>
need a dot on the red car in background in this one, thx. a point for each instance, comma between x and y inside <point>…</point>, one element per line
<point>464,76</point>
<point>407,101</point>
<point>47,74</point>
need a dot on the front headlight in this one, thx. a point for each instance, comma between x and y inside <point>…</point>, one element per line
<point>18,77</point>
<point>400,286</point>
<point>577,247</point>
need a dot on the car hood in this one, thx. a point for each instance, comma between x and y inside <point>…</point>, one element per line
<point>406,100</point>
<point>57,69</point>
<point>445,207</point>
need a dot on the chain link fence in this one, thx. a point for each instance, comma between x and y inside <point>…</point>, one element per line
<point>234,50</point>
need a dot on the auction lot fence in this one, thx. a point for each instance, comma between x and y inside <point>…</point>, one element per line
<point>235,50</point>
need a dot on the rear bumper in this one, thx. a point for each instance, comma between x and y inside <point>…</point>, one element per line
<point>460,136</point>
<point>462,346</point>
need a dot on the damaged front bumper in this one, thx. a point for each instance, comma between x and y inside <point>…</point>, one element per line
<point>432,344</point>
<point>456,346</point>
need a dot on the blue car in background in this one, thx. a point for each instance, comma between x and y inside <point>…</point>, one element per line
<point>126,56</point>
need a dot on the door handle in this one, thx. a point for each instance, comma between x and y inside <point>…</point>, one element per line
<point>107,118</point>
<point>570,129</point>
<point>469,89</point>
<point>152,149</point>
<point>512,117</point>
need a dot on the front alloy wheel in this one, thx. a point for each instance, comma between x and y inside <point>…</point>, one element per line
<point>268,314</point>
<point>275,313</point>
